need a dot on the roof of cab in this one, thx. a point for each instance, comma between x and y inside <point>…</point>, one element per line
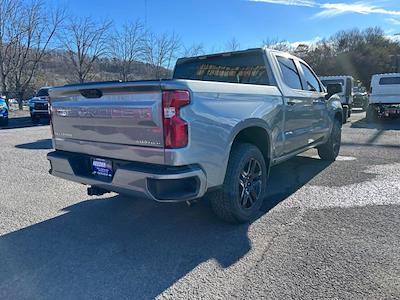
<point>336,77</point>
<point>386,75</point>
<point>227,53</point>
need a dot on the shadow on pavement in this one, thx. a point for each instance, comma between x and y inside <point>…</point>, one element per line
<point>129,248</point>
<point>22,122</point>
<point>38,145</point>
<point>383,124</point>
<point>285,179</point>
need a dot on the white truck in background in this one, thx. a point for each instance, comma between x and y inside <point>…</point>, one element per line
<point>346,96</point>
<point>384,99</point>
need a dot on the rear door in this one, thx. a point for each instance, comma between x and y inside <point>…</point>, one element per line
<point>298,104</point>
<point>313,89</point>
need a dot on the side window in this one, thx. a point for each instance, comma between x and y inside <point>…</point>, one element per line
<point>312,81</point>
<point>289,71</point>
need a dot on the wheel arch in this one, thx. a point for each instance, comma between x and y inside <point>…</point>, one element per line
<point>256,132</point>
<point>338,115</point>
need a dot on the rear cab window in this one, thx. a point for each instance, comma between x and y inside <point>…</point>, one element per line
<point>325,82</point>
<point>290,73</point>
<point>240,67</point>
<point>389,80</point>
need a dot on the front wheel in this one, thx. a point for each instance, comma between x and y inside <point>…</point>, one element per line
<point>244,189</point>
<point>345,114</point>
<point>330,150</point>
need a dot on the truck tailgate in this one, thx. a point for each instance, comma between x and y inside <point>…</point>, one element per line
<point>107,116</point>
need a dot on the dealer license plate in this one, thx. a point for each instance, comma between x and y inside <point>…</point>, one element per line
<point>102,167</point>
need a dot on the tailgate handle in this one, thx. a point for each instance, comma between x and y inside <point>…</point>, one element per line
<point>91,93</point>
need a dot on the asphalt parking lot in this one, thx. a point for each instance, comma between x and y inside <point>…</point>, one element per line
<point>325,230</point>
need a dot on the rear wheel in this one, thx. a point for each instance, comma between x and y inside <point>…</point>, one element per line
<point>330,150</point>
<point>243,192</point>
<point>372,114</point>
<point>365,106</point>
<point>345,114</point>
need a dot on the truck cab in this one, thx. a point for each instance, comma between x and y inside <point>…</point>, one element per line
<point>346,96</point>
<point>38,105</point>
<point>384,99</point>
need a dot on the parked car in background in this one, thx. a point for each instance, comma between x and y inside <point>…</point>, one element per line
<point>360,97</point>
<point>346,96</point>
<point>38,106</point>
<point>3,112</point>
<point>13,102</point>
<point>217,126</point>
<point>384,99</point>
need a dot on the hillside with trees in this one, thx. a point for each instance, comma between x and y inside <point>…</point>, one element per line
<point>360,53</point>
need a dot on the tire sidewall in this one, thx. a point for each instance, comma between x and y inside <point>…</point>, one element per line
<point>336,126</point>
<point>247,151</point>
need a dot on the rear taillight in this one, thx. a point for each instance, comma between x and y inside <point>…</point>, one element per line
<point>50,109</point>
<point>175,128</point>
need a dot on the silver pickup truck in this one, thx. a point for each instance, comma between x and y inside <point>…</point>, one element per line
<point>217,127</point>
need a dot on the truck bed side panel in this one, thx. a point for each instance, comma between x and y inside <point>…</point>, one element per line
<point>217,113</point>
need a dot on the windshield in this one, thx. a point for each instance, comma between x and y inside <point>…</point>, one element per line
<point>43,93</point>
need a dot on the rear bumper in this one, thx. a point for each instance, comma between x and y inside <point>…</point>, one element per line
<point>39,113</point>
<point>160,183</point>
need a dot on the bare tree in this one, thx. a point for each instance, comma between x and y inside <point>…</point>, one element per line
<point>126,47</point>
<point>193,50</point>
<point>84,41</point>
<point>232,45</point>
<point>9,33</point>
<point>159,53</point>
<point>35,28</point>
<point>277,44</point>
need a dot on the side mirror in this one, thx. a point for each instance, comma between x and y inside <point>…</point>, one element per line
<point>334,88</point>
